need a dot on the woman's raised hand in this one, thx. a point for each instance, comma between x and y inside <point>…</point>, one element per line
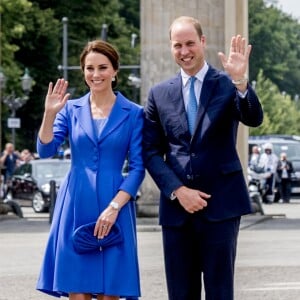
<point>56,97</point>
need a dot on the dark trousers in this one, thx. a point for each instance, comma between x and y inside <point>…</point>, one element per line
<point>285,189</point>
<point>201,249</point>
<point>269,195</point>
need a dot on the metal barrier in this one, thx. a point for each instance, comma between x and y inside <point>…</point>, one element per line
<point>52,199</point>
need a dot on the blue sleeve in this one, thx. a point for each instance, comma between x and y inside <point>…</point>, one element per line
<point>60,131</point>
<point>136,172</point>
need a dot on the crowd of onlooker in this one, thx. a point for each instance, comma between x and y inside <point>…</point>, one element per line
<point>278,172</point>
<point>10,159</point>
<point>279,169</point>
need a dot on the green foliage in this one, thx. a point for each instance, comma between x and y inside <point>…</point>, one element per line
<point>29,39</point>
<point>276,49</point>
<point>281,115</point>
<point>12,28</point>
<point>31,36</point>
<point>85,20</point>
<point>275,65</point>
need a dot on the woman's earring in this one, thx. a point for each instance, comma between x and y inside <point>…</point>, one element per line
<point>113,79</point>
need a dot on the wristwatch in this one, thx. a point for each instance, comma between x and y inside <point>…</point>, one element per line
<point>115,205</point>
<point>173,196</point>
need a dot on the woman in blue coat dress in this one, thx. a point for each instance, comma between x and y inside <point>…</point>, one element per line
<point>104,129</point>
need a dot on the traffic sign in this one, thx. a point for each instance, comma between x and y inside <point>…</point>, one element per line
<point>13,122</point>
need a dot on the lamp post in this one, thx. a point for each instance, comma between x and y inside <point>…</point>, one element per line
<point>14,103</point>
<point>133,79</point>
<point>104,30</point>
<point>2,86</point>
<point>65,47</point>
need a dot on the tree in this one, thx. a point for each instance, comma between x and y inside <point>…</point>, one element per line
<point>34,40</point>
<point>280,112</point>
<point>28,39</point>
<point>88,26</point>
<point>276,50</point>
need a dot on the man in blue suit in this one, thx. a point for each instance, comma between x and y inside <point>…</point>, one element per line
<point>194,162</point>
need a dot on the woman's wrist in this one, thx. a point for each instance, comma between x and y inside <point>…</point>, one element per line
<point>115,205</point>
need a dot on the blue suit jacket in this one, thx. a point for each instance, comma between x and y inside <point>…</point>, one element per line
<point>208,161</point>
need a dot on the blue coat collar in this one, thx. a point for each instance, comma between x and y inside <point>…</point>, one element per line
<point>118,115</point>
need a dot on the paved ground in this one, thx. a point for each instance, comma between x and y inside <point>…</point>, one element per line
<point>268,262</point>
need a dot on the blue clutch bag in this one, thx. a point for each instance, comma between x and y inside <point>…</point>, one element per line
<point>84,240</point>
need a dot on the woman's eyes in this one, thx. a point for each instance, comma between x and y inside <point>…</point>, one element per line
<point>99,68</point>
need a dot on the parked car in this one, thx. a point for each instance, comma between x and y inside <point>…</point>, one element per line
<point>30,183</point>
<point>282,143</point>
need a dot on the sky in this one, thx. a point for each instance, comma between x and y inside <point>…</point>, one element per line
<point>290,6</point>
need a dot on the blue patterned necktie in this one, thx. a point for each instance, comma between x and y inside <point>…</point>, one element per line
<point>192,106</point>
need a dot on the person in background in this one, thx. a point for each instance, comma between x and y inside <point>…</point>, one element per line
<point>190,133</point>
<point>67,153</point>
<point>254,157</point>
<point>268,161</point>
<point>103,129</point>
<point>9,161</point>
<point>284,172</point>
<point>25,156</point>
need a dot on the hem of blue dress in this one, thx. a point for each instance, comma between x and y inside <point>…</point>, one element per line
<point>59,294</point>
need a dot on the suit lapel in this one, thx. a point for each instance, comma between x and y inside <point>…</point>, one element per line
<point>208,85</point>
<point>175,96</point>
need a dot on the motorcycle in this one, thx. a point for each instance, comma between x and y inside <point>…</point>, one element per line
<point>257,188</point>
<point>11,206</point>
<point>8,205</point>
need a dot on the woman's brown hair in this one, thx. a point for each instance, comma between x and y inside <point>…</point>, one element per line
<point>104,48</point>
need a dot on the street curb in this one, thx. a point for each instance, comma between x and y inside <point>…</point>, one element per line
<point>145,224</point>
<point>251,220</point>
<point>9,217</point>
<point>247,222</point>
<point>151,224</point>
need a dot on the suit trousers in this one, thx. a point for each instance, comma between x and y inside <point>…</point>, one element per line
<point>201,251</point>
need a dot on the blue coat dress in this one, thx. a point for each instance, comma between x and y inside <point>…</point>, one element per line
<point>93,180</point>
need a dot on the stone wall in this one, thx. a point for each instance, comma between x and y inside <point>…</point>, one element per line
<point>156,17</point>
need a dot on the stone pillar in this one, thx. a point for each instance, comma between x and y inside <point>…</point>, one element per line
<point>156,17</point>
<point>236,16</point>
<point>220,19</point>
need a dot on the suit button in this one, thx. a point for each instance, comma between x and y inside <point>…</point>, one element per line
<point>193,154</point>
<point>189,177</point>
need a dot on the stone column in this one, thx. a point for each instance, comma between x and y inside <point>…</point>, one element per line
<point>156,17</point>
<point>220,19</point>
<point>236,16</point>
